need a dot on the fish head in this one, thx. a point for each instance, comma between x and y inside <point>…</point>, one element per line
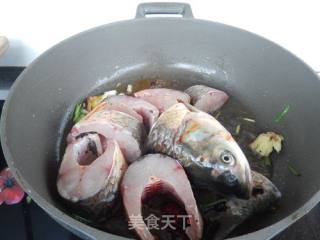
<point>217,155</point>
<point>229,167</point>
<point>210,154</point>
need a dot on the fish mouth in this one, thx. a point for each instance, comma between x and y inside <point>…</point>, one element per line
<point>229,183</point>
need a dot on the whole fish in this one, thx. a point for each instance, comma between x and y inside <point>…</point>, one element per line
<point>90,173</point>
<point>207,151</point>
<point>206,99</point>
<point>156,173</point>
<point>236,211</point>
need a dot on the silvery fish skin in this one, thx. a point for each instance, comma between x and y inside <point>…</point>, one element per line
<point>264,195</point>
<point>158,173</point>
<point>127,130</point>
<point>162,98</point>
<point>207,151</point>
<point>90,173</point>
<point>206,99</point>
<point>146,110</point>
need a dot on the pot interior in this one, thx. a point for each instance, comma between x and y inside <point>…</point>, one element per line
<point>259,75</point>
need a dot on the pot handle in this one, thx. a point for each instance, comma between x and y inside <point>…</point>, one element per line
<point>183,9</point>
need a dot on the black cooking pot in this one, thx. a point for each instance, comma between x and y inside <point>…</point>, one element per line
<point>253,70</point>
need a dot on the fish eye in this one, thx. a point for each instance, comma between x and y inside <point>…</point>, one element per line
<point>227,157</point>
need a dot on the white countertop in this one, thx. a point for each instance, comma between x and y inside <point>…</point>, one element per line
<point>33,26</point>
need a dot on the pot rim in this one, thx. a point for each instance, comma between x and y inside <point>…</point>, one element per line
<point>93,233</point>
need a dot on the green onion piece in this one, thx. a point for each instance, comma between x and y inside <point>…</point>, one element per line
<point>282,114</point>
<point>267,161</point>
<point>28,199</point>
<point>238,129</point>
<point>293,170</point>
<point>217,115</point>
<point>212,204</point>
<point>249,120</point>
<point>77,113</point>
<point>80,117</point>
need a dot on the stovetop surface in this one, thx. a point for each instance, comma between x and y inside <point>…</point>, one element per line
<point>27,221</point>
